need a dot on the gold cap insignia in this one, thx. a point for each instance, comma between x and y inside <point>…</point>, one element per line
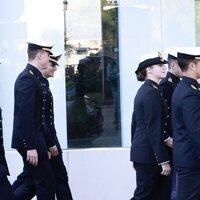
<point>30,72</point>
<point>46,49</point>
<point>197,58</point>
<point>160,55</point>
<point>193,87</point>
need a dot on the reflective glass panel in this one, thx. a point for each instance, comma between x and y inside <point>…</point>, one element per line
<point>197,21</point>
<point>92,74</point>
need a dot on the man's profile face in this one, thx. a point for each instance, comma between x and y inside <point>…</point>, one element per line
<point>50,70</point>
<point>198,69</point>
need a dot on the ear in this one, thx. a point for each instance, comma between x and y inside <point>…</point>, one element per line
<point>39,55</point>
<point>149,69</point>
<point>192,66</point>
<point>173,65</point>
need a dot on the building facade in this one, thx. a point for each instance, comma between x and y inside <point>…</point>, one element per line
<point>94,87</point>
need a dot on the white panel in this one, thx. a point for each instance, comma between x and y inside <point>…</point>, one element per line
<point>12,58</point>
<point>140,32</point>
<point>100,174</point>
<point>22,21</point>
<point>149,25</point>
<point>178,23</point>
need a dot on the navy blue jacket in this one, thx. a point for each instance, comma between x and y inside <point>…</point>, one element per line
<point>186,123</point>
<point>167,86</point>
<point>2,151</point>
<point>148,120</point>
<point>50,133</point>
<point>29,109</point>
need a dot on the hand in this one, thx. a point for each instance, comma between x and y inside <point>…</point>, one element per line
<point>166,169</point>
<point>32,157</point>
<point>169,142</point>
<point>54,151</point>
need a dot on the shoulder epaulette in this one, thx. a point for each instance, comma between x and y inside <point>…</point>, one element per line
<point>31,72</point>
<point>170,79</point>
<point>154,86</point>
<point>193,87</point>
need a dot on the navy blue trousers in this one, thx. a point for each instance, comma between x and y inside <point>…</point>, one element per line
<point>5,187</point>
<point>24,186</point>
<point>188,184</point>
<point>41,177</point>
<point>174,184</point>
<point>151,185</point>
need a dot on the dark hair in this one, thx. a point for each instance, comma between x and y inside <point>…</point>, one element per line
<point>141,75</point>
<point>32,53</point>
<point>183,63</point>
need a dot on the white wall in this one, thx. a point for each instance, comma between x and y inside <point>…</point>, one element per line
<point>22,21</point>
<point>100,174</point>
<point>145,26</point>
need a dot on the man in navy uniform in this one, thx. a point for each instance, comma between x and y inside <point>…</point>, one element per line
<point>167,86</point>
<point>26,186</point>
<point>29,121</point>
<point>5,187</point>
<point>186,125</point>
<point>59,171</point>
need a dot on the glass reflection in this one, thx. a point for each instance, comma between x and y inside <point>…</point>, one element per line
<point>92,85</point>
<point>197,22</point>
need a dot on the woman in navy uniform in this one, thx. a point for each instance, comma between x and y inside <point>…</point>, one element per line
<point>148,151</point>
<point>5,187</point>
<point>186,125</point>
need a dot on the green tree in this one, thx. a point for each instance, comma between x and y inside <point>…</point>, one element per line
<point>109,27</point>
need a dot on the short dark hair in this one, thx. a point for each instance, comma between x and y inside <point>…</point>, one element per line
<point>32,53</point>
<point>141,75</point>
<point>183,63</point>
